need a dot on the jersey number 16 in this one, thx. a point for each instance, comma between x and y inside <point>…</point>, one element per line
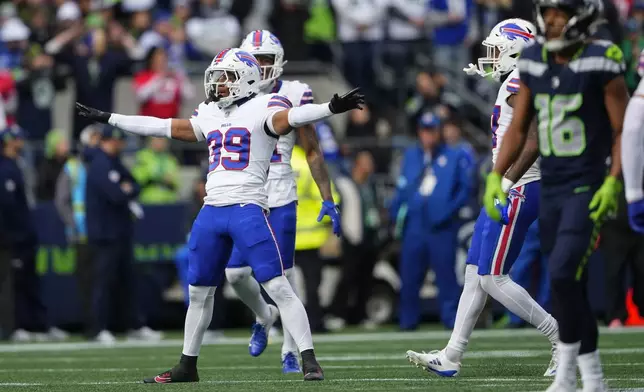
<point>560,134</point>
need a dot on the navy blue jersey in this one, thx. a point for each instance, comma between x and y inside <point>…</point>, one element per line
<point>575,133</point>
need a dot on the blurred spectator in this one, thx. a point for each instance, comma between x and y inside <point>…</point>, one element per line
<point>68,14</point>
<point>319,31</point>
<point>160,90</point>
<point>449,20</point>
<point>17,222</point>
<point>406,36</point>
<point>361,124</point>
<point>110,192</point>
<point>56,154</point>
<point>434,184</point>
<point>140,15</point>
<point>288,19</point>
<point>8,99</point>
<point>453,137</point>
<point>360,244</point>
<point>95,65</point>
<point>426,97</point>
<point>70,204</point>
<point>360,28</point>
<point>210,35</point>
<point>157,173</point>
<point>624,250</point>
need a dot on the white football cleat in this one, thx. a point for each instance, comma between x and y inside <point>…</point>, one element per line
<point>552,366</point>
<point>435,362</point>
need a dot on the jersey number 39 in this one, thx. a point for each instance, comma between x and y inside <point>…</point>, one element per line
<point>560,134</point>
<point>236,143</point>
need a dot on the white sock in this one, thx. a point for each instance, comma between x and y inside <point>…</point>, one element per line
<point>567,362</point>
<point>291,310</point>
<point>469,309</point>
<point>518,301</point>
<point>288,344</point>
<point>198,317</point>
<point>249,292</point>
<point>590,368</point>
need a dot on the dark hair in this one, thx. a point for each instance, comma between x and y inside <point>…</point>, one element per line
<point>150,55</point>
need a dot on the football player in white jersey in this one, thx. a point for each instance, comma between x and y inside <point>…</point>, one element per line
<point>495,246</point>
<point>282,194</point>
<point>633,154</point>
<point>241,141</point>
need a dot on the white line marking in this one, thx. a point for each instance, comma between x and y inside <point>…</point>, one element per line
<point>330,338</point>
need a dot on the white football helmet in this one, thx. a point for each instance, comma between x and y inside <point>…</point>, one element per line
<point>504,44</point>
<point>236,69</point>
<point>263,42</point>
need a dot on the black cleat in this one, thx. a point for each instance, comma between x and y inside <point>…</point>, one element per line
<point>312,371</point>
<point>174,375</point>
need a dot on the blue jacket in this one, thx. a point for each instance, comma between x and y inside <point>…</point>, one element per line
<point>452,169</point>
<point>16,222</point>
<point>107,213</point>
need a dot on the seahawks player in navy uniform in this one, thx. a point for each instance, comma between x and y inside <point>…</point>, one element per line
<point>575,86</point>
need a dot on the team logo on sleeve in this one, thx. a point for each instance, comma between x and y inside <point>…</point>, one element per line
<point>10,186</point>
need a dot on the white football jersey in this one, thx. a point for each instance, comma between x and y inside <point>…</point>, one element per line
<point>240,150</point>
<point>501,118</point>
<point>281,185</point>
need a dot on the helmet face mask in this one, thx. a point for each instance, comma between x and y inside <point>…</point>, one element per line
<point>232,75</point>
<point>264,44</point>
<point>503,46</point>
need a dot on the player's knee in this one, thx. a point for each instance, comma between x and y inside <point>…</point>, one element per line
<point>237,275</point>
<point>490,282</point>
<point>279,289</point>
<point>199,294</point>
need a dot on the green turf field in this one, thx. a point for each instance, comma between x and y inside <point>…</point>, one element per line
<point>498,361</point>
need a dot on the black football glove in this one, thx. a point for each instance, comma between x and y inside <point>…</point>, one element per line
<point>92,114</point>
<point>349,101</point>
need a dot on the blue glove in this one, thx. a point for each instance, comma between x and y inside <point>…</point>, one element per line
<point>504,210</point>
<point>636,215</point>
<point>330,209</point>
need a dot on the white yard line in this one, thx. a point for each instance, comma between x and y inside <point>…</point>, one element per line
<point>330,380</point>
<point>329,338</point>
<point>348,357</point>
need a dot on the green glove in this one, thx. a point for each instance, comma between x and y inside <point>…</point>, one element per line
<point>605,199</point>
<point>493,194</point>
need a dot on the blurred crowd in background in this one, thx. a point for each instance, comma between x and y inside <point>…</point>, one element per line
<point>407,55</point>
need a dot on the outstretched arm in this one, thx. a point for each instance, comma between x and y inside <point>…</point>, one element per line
<point>178,129</point>
<point>284,121</point>
<point>315,159</point>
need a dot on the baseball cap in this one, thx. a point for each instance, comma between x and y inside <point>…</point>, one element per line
<point>110,132</point>
<point>11,133</point>
<point>429,121</point>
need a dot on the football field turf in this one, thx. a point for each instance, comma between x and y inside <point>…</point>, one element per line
<point>498,360</point>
